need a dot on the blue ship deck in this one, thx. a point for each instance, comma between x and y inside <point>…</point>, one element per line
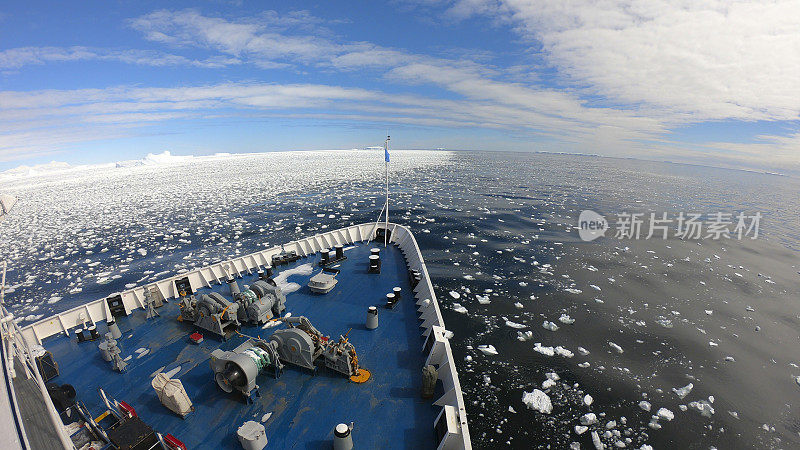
<point>387,410</point>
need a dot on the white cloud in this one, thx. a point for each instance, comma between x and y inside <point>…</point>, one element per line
<point>261,39</point>
<point>16,58</point>
<point>705,59</point>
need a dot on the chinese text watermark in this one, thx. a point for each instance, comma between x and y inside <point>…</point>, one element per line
<point>718,225</point>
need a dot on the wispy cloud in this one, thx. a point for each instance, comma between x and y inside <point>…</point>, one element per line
<point>527,106</point>
<point>17,58</point>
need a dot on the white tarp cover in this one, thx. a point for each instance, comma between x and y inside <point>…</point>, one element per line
<point>172,394</point>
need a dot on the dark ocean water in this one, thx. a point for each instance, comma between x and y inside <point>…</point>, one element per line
<point>497,231</point>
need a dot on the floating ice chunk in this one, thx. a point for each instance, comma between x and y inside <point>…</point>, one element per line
<point>142,252</point>
<point>515,325</point>
<point>573,291</point>
<point>266,417</point>
<point>518,305</point>
<point>684,391</point>
<point>664,322</point>
<point>524,335</point>
<point>588,419</point>
<point>547,351</point>
<point>709,312</point>
<point>598,444</point>
<point>703,407</point>
<point>645,405</point>
<point>611,424</point>
<point>547,325</point>
<point>616,347</point>
<point>455,295</point>
<point>483,299</point>
<point>548,383</point>
<point>563,352</point>
<point>457,307</point>
<point>584,365</point>
<point>580,429</point>
<point>53,299</point>
<point>537,400</point>
<point>487,349</point>
<point>595,287</point>
<point>664,413</point>
<point>583,351</point>
<point>469,277</point>
<point>565,318</point>
<point>588,400</point>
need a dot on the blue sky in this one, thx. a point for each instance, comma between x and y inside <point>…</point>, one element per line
<point>707,82</point>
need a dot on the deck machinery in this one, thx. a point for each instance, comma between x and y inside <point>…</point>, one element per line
<point>257,304</point>
<point>211,312</point>
<point>300,344</point>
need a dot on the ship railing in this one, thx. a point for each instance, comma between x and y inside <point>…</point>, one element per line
<point>15,345</point>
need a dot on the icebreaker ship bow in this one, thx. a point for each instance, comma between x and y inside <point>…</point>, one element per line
<point>249,353</point>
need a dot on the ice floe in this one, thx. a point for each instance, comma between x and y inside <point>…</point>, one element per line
<point>547,325</point>
<point>684,391</point>
<point>487,349</point>
<point>538,401</point>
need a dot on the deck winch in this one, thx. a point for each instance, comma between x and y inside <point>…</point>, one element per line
<point>212,312</point>
<point>238,369</point>
<point>301,344</point>
<point>259,302</point>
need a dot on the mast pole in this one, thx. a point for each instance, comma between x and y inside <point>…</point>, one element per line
<point>386,232</point>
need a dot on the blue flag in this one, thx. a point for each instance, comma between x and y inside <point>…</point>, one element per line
<point>386,151</point>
